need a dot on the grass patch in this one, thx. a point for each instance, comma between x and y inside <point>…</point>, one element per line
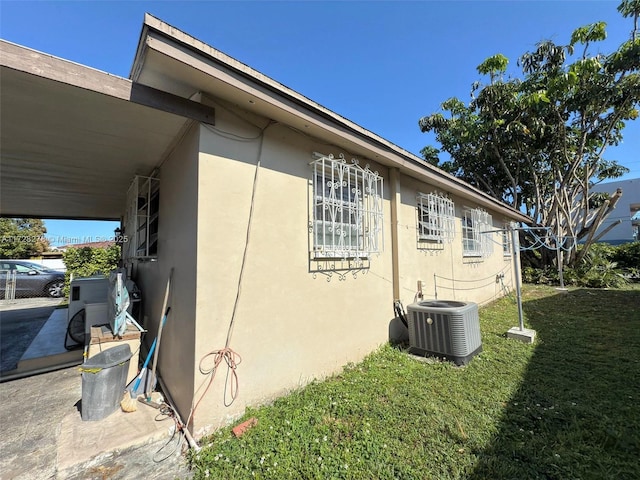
<point>565,408</point>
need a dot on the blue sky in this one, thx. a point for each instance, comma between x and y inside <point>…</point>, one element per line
<point>382,65</point>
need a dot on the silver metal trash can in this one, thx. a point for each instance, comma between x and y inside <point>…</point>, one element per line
<point>103,381</point>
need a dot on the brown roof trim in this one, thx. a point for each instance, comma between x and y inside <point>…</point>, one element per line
<point>398,156</point>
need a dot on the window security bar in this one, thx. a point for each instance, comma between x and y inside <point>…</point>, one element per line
<point>475,222</point>
<point>347,209</point>
<point>436,218</point>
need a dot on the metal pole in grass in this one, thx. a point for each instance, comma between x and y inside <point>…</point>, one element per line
<point>559,259</point>
<point>515,247</point>
<point>519,333</point>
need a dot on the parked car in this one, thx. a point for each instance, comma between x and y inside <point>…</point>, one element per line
<point>32,279</point>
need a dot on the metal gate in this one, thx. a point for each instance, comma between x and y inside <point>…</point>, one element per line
<point>8,278</point>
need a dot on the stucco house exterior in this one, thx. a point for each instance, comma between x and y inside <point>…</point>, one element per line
<point>289,230</point>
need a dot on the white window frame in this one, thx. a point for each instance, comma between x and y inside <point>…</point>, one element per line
<point>436,218</point>
<point>347,209</point>
<point>476,237</point>
<point>141,220</point>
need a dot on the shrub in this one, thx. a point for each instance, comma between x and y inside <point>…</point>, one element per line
<point>87,261</point>
<point>541,276</point>
<point>598,269</point>
<point>627,255</point>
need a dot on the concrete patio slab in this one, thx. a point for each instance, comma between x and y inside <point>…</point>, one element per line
<point>81,441</point>
<point>44,436</point>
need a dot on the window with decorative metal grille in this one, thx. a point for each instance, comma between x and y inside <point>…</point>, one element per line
<point>436,218</point>
<point>347,209</point>
<point>476,243</point>
<point>506,241</point>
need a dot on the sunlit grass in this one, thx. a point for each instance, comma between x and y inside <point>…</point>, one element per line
<point>566,407</point>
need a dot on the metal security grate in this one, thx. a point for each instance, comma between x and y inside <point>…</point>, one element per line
<point>476,243</point>
<point>347,209</point>
<point>506,241</point>
<point>436,218</point>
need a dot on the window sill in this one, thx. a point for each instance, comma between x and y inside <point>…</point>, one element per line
<point>430,239</point>
<point>327,256</point>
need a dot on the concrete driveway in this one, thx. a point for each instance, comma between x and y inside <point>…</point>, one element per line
<point>20,322</point>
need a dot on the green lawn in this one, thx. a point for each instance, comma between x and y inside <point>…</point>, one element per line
<point>567,407</point>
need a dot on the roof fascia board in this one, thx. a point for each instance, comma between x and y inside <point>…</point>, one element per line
<point>141,51</point>
<point>59,217</point>
<point>23,59</point>
<point>17,57</point>
<point>162,43</point>
<point>478,197</point>
<point>201,49</point>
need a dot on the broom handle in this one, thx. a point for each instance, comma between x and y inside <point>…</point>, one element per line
<point>144,366</point>
<point>159,336</point>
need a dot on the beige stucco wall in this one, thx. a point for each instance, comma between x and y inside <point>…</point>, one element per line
<point>292,323</point>
<point>176,249</point>
<point>457,277</point>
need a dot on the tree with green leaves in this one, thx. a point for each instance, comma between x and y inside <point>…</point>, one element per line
<point>89,261</point>
<point>538,142</point>
<point>22,237</point>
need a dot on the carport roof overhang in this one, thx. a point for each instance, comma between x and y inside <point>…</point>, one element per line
<point>72,137</point>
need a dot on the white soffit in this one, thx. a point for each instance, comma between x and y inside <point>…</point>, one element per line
<point>70,142</point>
<point>170,60</point>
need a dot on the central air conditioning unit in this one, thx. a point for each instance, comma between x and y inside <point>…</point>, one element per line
<point>445,328</point>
